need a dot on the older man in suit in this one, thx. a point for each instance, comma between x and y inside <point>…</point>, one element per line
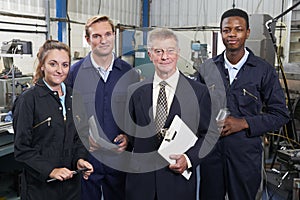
<point>152,177</point>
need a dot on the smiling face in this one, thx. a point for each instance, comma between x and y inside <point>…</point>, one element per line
<point>56,67</point>
<point>101,38</point>
<point>164,54</point>
<point>234,33</point>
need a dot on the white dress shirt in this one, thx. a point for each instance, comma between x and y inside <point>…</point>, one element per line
<point>103,72</point>
<point>170,89</point>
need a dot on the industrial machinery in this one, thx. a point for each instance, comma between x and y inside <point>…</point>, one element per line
<point>142,63</point>
<point>7,86</point>
<point>259,40</point>
<point>199,53</point>
<point>12,82</point>
<point>6,136</point>
<point>16,46</point>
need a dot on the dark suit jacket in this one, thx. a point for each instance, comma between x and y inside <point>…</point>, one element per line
<point>150,173</point>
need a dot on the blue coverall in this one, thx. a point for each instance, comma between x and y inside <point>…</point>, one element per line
<point>234,165</point>
<point>98,98</point>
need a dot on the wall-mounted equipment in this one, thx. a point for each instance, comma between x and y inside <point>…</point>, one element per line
<point>16,46</point>
<point>199,53</point>
<point>142,62</point>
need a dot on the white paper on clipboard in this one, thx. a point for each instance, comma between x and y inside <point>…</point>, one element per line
<point>93,131</point>
<point>178,139</point>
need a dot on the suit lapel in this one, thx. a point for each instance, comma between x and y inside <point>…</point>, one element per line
<point>146,99</point>
<point>175,106</point>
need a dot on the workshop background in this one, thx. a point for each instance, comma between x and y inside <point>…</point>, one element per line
<point>275,36</point>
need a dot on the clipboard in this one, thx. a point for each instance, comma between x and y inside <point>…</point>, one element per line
<point>94,133</point>
<point>178,139</point>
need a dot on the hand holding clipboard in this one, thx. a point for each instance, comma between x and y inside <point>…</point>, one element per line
<point>178,139</point>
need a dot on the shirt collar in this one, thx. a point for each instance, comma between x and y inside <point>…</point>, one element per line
<point>252,59</point>
<point>238,65</point>
<point>63,88</point>
<point>171,81</point>
<point>101,67</point>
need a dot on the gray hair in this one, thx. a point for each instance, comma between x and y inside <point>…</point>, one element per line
<point>161,34</point>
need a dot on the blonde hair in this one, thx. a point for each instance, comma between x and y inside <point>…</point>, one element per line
<point>96,19</point>
<point>42,54</point>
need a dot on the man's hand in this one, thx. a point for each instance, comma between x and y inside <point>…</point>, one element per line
<point>232,125</point>
<point>122,141</point>
<point>181,164</point>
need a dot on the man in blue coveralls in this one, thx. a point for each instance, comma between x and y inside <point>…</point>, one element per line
<point>249,82</point>
<point>96,77</point>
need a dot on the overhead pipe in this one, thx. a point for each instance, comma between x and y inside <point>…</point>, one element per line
<point>39,17</point>
<point>23,24</point>
<point>21,31</point>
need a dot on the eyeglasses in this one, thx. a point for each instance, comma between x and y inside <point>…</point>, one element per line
<point>168,51</point>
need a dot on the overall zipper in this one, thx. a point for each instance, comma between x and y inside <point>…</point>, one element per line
<point>212,87</point>
<point>42,122</point>
<point>249,93</point>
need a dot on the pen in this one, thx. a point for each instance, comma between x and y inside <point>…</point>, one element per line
<point>118,142</point>
<point>74,172</point>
